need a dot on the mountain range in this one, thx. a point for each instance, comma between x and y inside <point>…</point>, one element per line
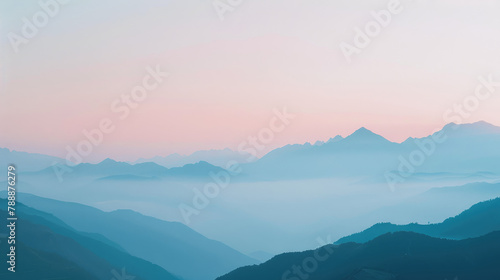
<point>461,148</point>
<point>337,186</point>
<point>399,255</point>
<point>30,162</point>
<point>465,246</point>
<point>111,169</point>
<point>215,157</point>
<point>480,219</point>
<point>170,245</point>
<point>70,240</point>
<point>47,248</point>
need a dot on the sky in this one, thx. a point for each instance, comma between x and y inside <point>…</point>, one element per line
<point>226,77</point>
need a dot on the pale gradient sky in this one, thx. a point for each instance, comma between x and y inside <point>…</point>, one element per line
<point>227,76</point>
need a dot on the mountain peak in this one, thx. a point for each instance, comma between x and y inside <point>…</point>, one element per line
<point>363,131</point>
<point>363,135</point>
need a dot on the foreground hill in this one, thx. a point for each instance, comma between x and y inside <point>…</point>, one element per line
<point>401,255</point>
<point>47,248</point>
<point>480,219</point>
<point>173,246</point>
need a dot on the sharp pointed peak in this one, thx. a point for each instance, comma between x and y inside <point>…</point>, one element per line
<point>364,134</point>
<point>363,131</point>
<point>335,139</point>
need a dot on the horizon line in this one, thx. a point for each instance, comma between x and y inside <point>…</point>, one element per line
<point>312,143</point>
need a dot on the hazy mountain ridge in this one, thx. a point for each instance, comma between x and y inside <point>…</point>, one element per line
<point>480,219</point>
<point>438,204</point>
<point>171,245</point>
<point>215,157</point>
<point>89,258</point>
<point>400,255</point>
<point>30,162</point>
<point>464,148</point>
<point>387,251</point>
<point>467,148</point>
<point>110,169</point>
<point>335,205</point>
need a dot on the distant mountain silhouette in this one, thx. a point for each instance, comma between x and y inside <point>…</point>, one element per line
<point>215,157</point>
<point>128,178</point>
<point>358,154</point>
<point>478,220</point>
<point>47,248</point>
<point>331,140</point>
<point>27,162</point>
<point>365,136</point>
<point>201,168</point>
<point>109,169</point>
<point>401,255</point>
<point>434,205</point>
<point>467,148</point>
<point>171,245</point>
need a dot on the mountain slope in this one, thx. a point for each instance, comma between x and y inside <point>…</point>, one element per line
<point>432,206</point>
<point>89,258</point>
<point>401,255</point>
<point>480,219</point>
<point>172,245</point>
<point>36,264</point>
